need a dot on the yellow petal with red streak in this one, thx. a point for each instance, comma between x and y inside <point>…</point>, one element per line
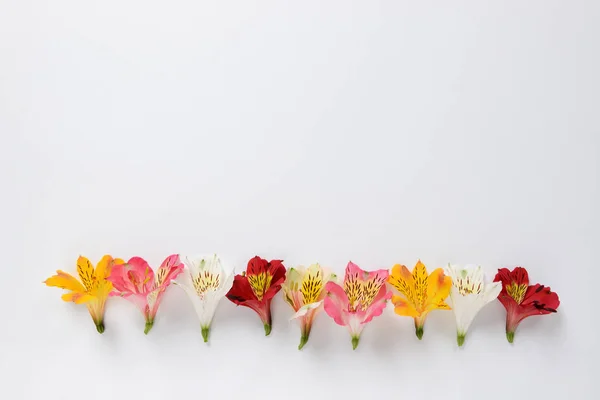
<point>103,267</point>
<point>438,286</point>
<point>402,280</point>
<point>404,308</point>
<point>77,298</point>
<point>64,281</point>
<point>85,270</point>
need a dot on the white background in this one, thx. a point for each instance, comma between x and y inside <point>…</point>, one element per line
<point>377,131</point>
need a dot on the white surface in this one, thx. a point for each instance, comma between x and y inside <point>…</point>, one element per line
<point>325,131</point>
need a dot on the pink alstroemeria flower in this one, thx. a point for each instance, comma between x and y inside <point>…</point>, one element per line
<point>362,298</point>
<point>137,282</point>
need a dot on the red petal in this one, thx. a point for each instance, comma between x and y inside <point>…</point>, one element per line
<point>503,276</point>
<point>519,276</point>
<point>277,270</point>
<point>539,300</point>
<point>542,298</point>
<point>241,291</point>
<point>257,265</point>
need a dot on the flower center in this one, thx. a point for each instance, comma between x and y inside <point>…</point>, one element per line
<point>517,292</point>
<point>259,283</point>
<point>467,286</point>
<point>312,285</point>
<point>206,281</point>
<point>361,294</point>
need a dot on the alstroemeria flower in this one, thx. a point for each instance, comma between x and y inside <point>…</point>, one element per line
<point>420,292</point>
<point>137,282</point>
<point>206,284</point>
<point>95,289</point>
<point>304,291</point>
<point>469,294</point>
<point>522,300</point>
<point>363,297</point>
<point>256,287</point>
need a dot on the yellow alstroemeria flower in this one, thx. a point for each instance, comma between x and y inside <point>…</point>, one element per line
<point>93,290</point>
<point>420,293</point>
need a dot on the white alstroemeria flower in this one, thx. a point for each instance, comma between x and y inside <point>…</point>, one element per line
<point>206,282</point>
<point>468,295</point>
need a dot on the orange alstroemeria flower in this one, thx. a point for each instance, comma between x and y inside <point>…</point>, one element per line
<point>419,292</point>
<point>93,290</point>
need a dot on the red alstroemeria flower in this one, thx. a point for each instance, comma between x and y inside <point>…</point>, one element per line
<point>256,287</point>
<point>522,300</point>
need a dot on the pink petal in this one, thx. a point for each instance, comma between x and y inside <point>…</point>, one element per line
<point>140,273</point>
<point>118,278</point>
<point>379,303</point>
<point>381,275</point>
<point>132,277</point>
<point>168,270</point>
<point>354,270</point>
<point>336,303</point>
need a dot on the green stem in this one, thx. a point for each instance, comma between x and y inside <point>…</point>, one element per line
<point>100,327</point>
<point>148,326</point>
<point>419,331</point>
<point>303,340</point>
<point>205,332</point>
<point>510,336</point>
<point>267,329</point>
<point>355,340</point>
<point>460,339</point>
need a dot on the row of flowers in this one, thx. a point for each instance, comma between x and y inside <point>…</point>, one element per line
<point>353,302</point>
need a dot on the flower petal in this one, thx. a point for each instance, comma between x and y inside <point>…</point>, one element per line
<point>465,309</point>
<point>305,309</point>
<point>373,288</point>
<point>438,289</point>
<point>312,284</point>
<point>375,309</point>
<point>168,270</point>
<point>85,270</point>
<point>257,265</point>
<point>420,277</point>
<point>403,307</point>
<point>205,307</point>
<point>241,291</point>
<point>402,280</point>
<point>104,266</point>
<point>77,297</point>
<point>543,298</point>
<point>353,284</point>
<point>133,277</point>
<point>277,271</point>
<point>491,291</point>
<point>66,281</point>
<point>294,276</point>
<point>227,283</point>
<point>336,303</point>
<point>192,263</point>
